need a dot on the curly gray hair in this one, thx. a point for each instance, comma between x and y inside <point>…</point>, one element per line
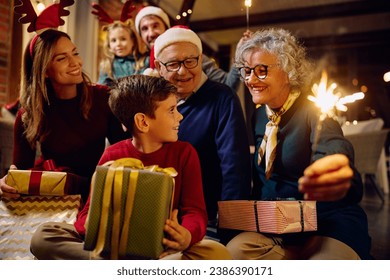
<point>290,53</point>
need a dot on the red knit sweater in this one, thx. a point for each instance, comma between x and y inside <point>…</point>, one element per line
<point>73,142</point>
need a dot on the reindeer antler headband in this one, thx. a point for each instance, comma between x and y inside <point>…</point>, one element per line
<point>49,17</point>
<point>127,9</point>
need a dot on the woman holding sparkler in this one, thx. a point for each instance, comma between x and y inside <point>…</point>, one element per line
<point>295,160</point>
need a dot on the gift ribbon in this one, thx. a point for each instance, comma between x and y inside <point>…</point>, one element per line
<point>256,216</point>
<point>301,214</point>
<point>50,165</point>
<point>113,186</point>
<point>116,213</point>
<point>297,208</point>
<point>34,186</point>
<point>302,217</point>
<point>34,183</point>
<point>104,212</point>
<point>128,210</point>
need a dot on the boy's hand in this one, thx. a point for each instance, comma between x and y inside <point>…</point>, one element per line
<point>327,179</point>
<point>179,236</point>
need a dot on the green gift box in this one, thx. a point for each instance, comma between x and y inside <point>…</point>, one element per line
<point>129,206</point>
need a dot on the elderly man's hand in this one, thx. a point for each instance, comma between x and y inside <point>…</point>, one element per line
<point>327,179</point>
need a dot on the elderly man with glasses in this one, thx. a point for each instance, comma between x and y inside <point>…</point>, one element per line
<point>151,22</point>
<point>213,119</point>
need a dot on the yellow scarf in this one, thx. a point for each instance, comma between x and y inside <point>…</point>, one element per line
<point>268,145</point>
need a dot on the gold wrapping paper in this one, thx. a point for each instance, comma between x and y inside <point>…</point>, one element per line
<point>268,216</point>
<point>19,219</point>
<point>52,183</point>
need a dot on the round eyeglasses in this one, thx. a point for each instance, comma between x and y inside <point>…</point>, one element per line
<point>174,66</point>
<point>260,70</point>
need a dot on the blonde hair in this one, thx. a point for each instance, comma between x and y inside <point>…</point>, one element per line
<point>108,59</point>
<point>36,91</point>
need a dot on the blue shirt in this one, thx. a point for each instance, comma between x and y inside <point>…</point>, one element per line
<point>122,67</point>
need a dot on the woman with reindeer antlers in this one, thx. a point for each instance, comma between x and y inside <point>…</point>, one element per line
<point>122,55</point>
<point>61,111</point>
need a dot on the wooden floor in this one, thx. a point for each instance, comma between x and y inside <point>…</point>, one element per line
<point>378,222</point>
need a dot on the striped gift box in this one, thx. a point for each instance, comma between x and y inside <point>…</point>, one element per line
<point>268,216</point>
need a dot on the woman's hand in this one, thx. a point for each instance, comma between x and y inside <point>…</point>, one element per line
<point>245,36</point>
<point>327,179</point>
<point>179,237</point>
<point>5,190</point>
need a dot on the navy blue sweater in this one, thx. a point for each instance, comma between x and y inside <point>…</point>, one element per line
<point>214,124</point>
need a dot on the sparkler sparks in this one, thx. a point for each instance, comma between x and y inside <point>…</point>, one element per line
<point>329,102</point>
<point>248,4</point>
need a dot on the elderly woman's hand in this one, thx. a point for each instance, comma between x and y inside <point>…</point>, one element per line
<point>245,36</point>
<point>327,179</point>
<point>8,191</point>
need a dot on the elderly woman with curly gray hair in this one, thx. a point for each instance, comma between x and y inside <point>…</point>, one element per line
<point>287,162</point>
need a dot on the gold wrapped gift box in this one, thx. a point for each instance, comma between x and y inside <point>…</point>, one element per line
<point>129,206</point>
<point>268,216</point>
<point>53,183</point>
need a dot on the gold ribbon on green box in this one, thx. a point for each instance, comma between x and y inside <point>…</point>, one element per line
<point>129,206</point>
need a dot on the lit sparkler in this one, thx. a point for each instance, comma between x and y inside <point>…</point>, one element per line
<point>248,4</point>
<point>328,102</point>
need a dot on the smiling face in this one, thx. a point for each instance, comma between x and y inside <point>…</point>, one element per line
<point>275,88</point>
<point>164,127</point>
<point>150,27</point>
<point>120,42</point>
<point>65,67</point>
<point>185,80</point>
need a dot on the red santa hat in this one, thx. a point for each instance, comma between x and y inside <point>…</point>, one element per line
<point>176,34</point>
<point>151,10</point>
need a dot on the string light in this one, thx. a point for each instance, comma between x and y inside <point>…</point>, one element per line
<point>184,14</point>
<point>386,77</point>
<point>40,6</point>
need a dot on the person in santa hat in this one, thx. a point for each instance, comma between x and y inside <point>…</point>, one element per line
<point>151,22</point>
<point>213,119</point>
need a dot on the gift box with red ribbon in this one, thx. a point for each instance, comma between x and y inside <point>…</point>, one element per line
<point>51,181</point>
<point>276,217</point>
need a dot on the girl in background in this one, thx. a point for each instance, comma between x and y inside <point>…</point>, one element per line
<point>121,49</point>
<point>122,53</point>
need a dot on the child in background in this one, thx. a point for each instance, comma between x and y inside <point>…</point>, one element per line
<point>122,53</point>
<point>122,50</point>
<point>147,106</point>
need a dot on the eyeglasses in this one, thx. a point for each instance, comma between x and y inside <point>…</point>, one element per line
<point>188,63</point>
<point>260,70</point>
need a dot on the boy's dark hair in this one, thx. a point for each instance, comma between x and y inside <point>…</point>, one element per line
<point>138,94</point>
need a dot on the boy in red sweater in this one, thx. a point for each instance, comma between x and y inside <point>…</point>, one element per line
<point>146,106</point>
